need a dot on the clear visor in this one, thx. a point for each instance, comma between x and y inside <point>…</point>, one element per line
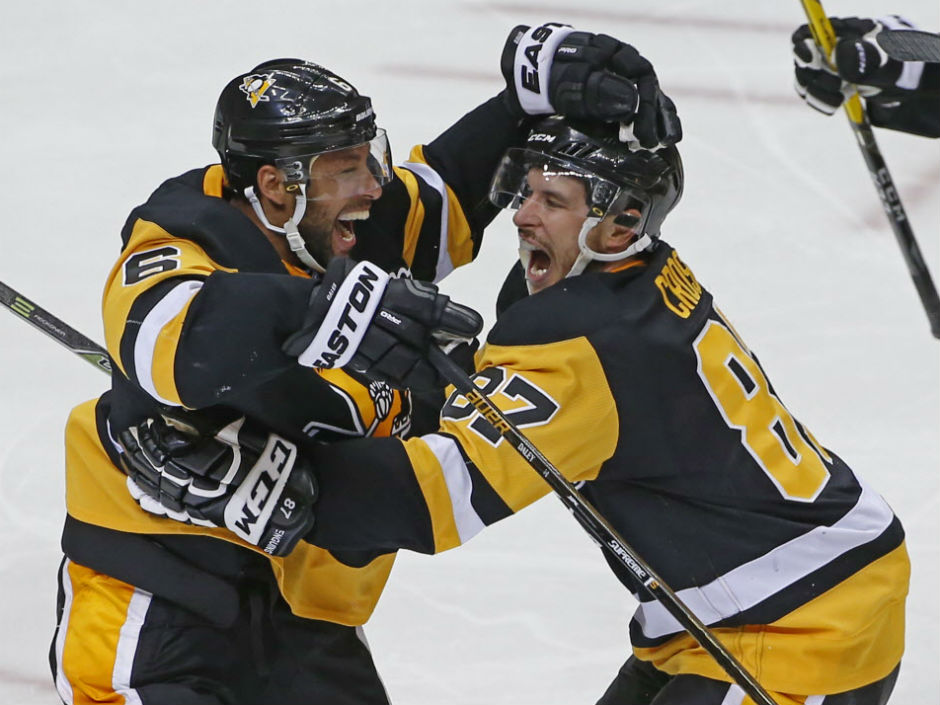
<point>525,175</point>
<point>341,173</point>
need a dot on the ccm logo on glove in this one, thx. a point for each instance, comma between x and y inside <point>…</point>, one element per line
<point>248,512</point>
<point>351,308</point>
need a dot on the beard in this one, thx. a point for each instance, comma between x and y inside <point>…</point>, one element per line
<point>316,229</point>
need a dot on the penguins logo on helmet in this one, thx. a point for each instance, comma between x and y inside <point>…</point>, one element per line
<point>308,112</point>
<point>255,86</point>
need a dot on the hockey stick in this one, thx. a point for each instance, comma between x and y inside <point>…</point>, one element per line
<point>599,528</point>
<point>825,38</point>
<point>87,349</point>
<point>61,332</point>
<point>589,518</point>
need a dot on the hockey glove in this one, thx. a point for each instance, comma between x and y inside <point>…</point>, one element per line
<point>362,319</point>
<point>251,482</point>
<point>867,57</point>
<point>554,69</point>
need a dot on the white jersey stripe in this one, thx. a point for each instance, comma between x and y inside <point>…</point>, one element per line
<point>166,309</point>
<point>459,485</point>
<point>749,584</point>
<point>62,684</point>
<point>734,696</point>
<point>444,263</point>
<point>127,646</point>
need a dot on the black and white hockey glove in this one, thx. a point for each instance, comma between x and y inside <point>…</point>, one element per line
<point>362,319</point>
<point>887,61</point>
<point>242,478</point>
<point>555,69</point>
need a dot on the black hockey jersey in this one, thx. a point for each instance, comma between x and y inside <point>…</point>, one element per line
<point>196,310</point>
<point>633,383</point>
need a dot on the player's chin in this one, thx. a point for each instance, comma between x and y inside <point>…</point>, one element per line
<point>535,286</point>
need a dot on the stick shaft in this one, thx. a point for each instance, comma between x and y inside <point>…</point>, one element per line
<point>56,329</point>
<point>825,38</point>
<point>600,529</point>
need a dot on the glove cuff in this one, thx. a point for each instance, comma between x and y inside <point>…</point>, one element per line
<point>248,512</point>
<point>350,312</point>
<point>532,65</point>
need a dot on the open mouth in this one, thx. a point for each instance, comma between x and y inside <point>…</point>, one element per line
<point>536,261</point>
<point>345,231</point>
<point>539,263</point>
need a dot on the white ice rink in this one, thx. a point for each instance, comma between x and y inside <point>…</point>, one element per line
<point>103,100</point>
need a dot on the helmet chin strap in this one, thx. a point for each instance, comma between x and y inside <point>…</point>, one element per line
<point>289,229</point>
<point>587,255</point>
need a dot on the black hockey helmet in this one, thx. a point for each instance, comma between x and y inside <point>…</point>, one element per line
<point>286,109</point>
<point>615,177</point>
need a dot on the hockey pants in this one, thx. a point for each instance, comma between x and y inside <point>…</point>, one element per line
<point>639,683</point>
<point>119,644</point>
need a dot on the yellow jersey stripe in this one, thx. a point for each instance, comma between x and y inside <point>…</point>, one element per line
<point>431,475</point>
<point>120,294</point>
<point>101,498</point>
<point>161,382</point>
<point>155,346</point>
<point>751,583</point>
<point>629,264</point>
<point>456,244</point>
<point>213,180</point>
<point>415,218</point>
<point>568,371</point>
<point>101,632</point>
<point>796,653</point>
<point>317,586</point>
<point>458,483</point>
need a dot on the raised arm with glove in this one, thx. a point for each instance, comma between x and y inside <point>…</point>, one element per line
<point>894,67</point>
<point>553,68</point>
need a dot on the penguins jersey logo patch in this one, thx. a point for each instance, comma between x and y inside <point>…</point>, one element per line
<point>256,86</point>
<point>382,397</point>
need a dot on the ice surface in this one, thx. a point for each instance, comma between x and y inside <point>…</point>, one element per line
<point>104,100</point>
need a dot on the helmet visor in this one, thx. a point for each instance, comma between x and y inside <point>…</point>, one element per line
<point>526,173</point>
<point>341,173</point>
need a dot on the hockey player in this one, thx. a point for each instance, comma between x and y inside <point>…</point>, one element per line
<point>217,303</point>
<point>620,367</point>
<point>797,565</point>
<point>894,67</point>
